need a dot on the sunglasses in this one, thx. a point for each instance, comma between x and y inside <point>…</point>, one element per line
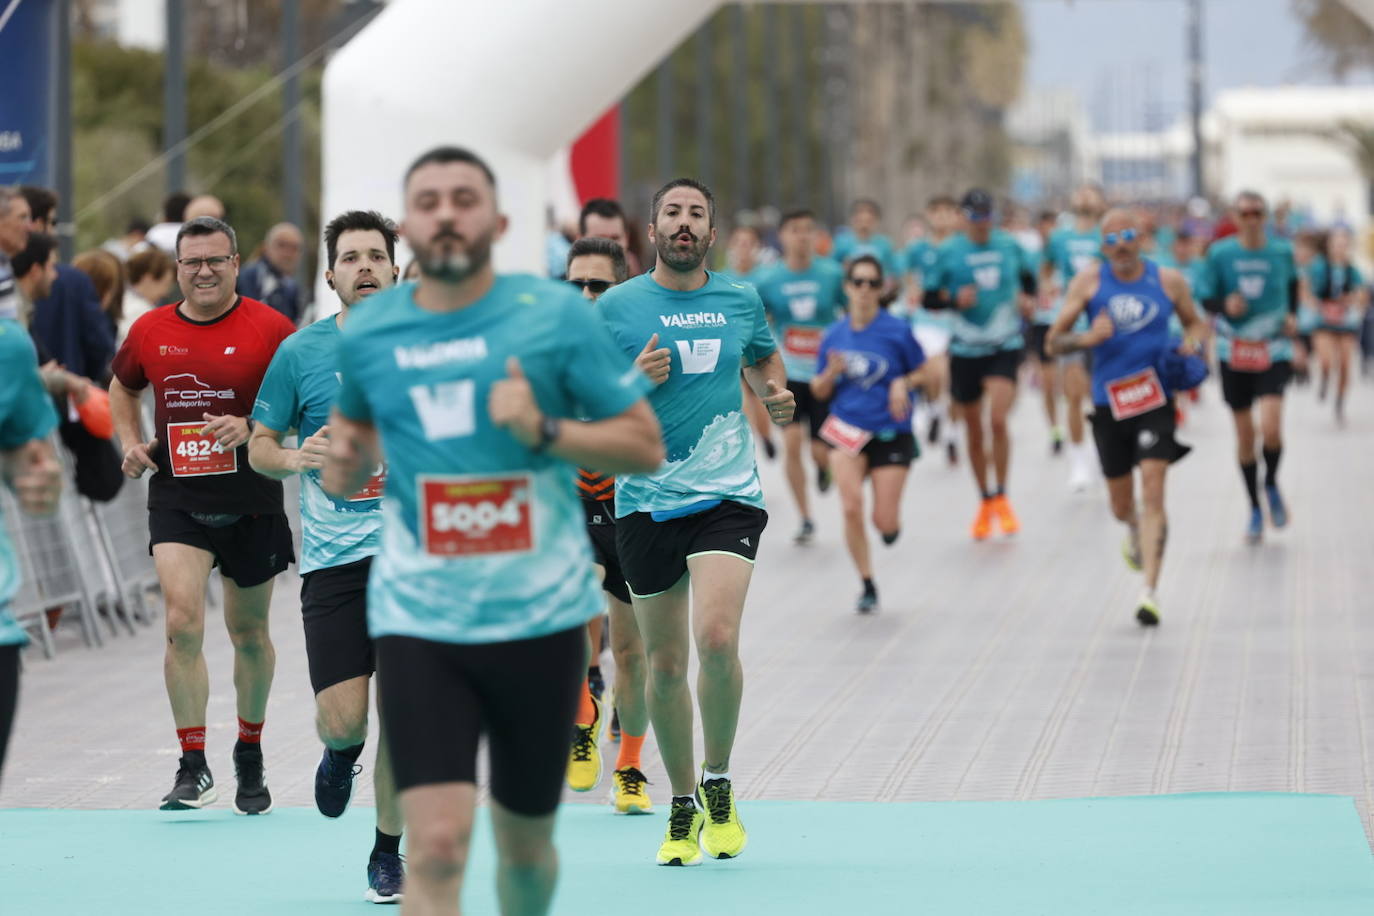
<point>596,286</point>
<point>1250,214</point>
<point>1125,235</point>
<point>870,282</point>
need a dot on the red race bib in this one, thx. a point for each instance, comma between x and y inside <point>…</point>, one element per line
<point>1333,313</point>
<point>194,453</point>
<point>802,341</point>
<point>1135,394</point>
<point>465,515</point>
<point>373,488</point>
<point>1249,355</point>
<point>844,436</point>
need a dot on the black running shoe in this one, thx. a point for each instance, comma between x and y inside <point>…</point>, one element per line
<point>823,479</point>
<point>194,786</point>
<point>933,435</point>
<point>385,878</point>
<point>952,451</point>
<point>868,603</point>
<point>770,451</point>
<point>252,796</point>
<point>334,783</point>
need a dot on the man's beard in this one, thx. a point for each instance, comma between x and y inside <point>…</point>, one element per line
<point>682,262</point>
<point>455,265</point>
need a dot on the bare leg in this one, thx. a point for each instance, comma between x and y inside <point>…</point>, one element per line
<point>527,868</point>
<point>972,415</point>
<point>631,668</point>
<point>1000,393</point>
<point>255,660</point>
<point>183,572</point>
<point>440,820</point>
<point>1154,524</point>
<point>796,471</point>
<point>1076,388</point>
<point>849,480</point>
<point>888,483</point>
<point>719,585</point>
<point>663,622</point>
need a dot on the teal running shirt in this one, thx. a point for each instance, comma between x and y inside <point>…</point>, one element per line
<point>1262,276</point>
<point>994,323</point>
<point>801,305</point>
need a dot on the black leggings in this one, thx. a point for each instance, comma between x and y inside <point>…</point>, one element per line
<point>437,699</point>
<point>9,696</point>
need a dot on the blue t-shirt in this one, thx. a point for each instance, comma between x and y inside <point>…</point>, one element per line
<point>26,413</point>
<point>1067,252</point>
<point>1262,276</point>
<point>710,332</point>
<point>994,323</point>
<point>297,393</point>
<point>873,357</point>
<point>483,540</point>
<point>849,246</point>
<point>1140,313</point>
<point>801,305</point>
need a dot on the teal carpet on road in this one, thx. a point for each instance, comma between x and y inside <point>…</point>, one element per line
<point>1208,854</point>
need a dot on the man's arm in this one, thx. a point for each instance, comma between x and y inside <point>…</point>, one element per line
<point>271,459</point>
<point>768,379</point>
<point>1081,288</point>
<point>1177,288</point>
<point>126,414</point>
<point>32,472</point>
<point>355,450</point>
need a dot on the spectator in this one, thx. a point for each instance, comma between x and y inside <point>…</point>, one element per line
<point>14,235</point>
<point>69,321</point>
<point>151,274</point>
<point>204,205</point>
<point>272,277</point>
<point>107,275</point>
<point>164,234</point>
<point>35,271</point>
<point>131,242</point>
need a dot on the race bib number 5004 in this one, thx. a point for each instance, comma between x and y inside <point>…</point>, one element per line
<point>470,515</point>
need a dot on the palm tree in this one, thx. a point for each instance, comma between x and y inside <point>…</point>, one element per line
<point>1357,138</point>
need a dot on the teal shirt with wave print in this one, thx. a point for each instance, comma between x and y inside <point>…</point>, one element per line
<point>801,304</point>
<point>1263,277</point>
<point>483,539</point>
<point>710,333</point>
<point>994,323</point>
<point>298,391</point>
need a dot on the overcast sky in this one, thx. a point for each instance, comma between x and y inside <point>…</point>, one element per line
<point>1125,57</point>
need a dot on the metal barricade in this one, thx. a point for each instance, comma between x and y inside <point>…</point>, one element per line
<point>123,528</point>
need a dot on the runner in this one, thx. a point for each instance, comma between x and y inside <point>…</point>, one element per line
<point>595,265</point>
<point>872,372</point>
<point>1129,301</point>
<point>480,595</point>
<point>802,295</point>
<point>934,326</point>
<point>339,536</point>
<point>1250,282</point>
<point>981,275</point>
<point>29,467</point>
<point>204,358</point>
<point>1307,259</point>
<point>862,236</point>
<point>699,517</point>
<point>1342,297</point>
<point>1068,252</point>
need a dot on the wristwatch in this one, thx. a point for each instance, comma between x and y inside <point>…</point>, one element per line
<point>548,431</point>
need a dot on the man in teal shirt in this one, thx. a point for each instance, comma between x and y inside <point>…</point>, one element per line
<point>861,236</point>
<point>983,277</point>
<point>1250,282</point>
<point>479,597</point>
<point>933,327</point>
<point>699,516</point>
<point>802,295</point>
<point>31,471</point>
<point>339,536</point>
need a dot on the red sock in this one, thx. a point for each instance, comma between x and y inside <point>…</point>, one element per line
<point>192,739</point>
<point>250,732</point>
<point>630,746</point>
<point>586,709</point>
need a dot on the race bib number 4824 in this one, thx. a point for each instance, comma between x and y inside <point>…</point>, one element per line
<point>193,453</point>
<point>470,515</point>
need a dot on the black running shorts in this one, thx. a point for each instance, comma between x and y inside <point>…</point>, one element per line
<point>249,549</point>
<point>896,449</point>
<point>1240,389</point>
<point>334,611</point>
<point>1122,444</point>
<point>1036,335</point>
<point>966,373</point>
<point>601,531</point>
<point>438,699</point>
<point>654,554</point>
<point>809,408</point>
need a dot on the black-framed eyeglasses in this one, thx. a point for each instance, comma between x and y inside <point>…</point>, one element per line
<point>596,286</point>
<point>870,282</point>
<point>193,265</point>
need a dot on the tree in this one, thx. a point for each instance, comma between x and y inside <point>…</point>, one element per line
<point>1341,40</point>
<point>1357,138</point>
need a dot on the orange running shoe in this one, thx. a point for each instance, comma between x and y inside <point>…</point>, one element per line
<point>1006,519</point>
<point>982,525</point>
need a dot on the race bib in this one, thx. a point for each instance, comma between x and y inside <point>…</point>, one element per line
<point>1250,355</point>
<point>844,436</point>
<point>374,487</point>
<point>802,341</point>
<point>1333,313</point>
<point>194,453</point>
<point>1135,394</point>
<point>464,515</point>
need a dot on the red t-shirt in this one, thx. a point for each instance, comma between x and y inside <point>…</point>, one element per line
<point>195,368</point>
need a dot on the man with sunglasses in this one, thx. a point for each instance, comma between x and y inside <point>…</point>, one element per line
<point>594,266</point>
<point>205,358</point>
<point>802,295</point>
<point>1250,282</point>
<point>981,275</point>
<point>1129,302</point>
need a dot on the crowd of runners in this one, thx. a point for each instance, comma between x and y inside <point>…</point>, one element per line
<point>501,476</point>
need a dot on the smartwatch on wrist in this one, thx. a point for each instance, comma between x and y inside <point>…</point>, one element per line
<point>548,431</point>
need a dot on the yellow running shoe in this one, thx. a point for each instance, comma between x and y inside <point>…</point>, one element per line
<point>680,843</point>
<point>724,836</point>
<point>627,793</point>
<point>1130,552</point>
<point>584,762</point>
<point>1148,612</point>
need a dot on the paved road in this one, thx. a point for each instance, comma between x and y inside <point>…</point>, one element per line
<point>1006,670</point>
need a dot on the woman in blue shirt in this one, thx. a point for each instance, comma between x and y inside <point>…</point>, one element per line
<point>872,370</point>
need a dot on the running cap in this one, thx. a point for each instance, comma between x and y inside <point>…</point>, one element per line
<point>977,204</point>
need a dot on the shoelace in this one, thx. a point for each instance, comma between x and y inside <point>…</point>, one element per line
<point>389,868</point>
<point>717,800</point>
<point>341,777</point>
<point>583,744</point>
<point>632,781</point>
<point>680,821</point>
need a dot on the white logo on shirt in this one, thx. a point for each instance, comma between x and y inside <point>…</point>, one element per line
<point>445,410</point>
<point>691,320</point>
<point>186,390</point>
<point>1131,313</point>
<point>228,351</point>
<point>699,356</point>
<point>465,349</point>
